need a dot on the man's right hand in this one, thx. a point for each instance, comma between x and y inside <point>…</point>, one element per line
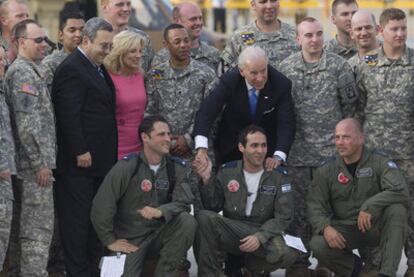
<point>122,245</point>
<point>334,238</point>
<point>203,172</point>
<point>84,160</point>
<point>201,159</point>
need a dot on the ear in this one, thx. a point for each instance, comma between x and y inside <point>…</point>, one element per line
<point>333,19</point>
<point>3,21</point>
<point>60,36</point>
<point>241,147</point>
<point>241,71</point>
<point>144,137</point>
<point>379,29</point>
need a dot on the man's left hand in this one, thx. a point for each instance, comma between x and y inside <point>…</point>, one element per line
<point>271,163</point>
<point>149,212</point>
<point>249,244</point>
<point>364,221</point>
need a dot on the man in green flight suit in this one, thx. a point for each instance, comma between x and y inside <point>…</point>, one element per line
<point>357,198</point>
<point>141,208</point>
<point>257,207</point>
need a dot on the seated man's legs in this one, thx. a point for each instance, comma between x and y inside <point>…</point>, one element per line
<point>216,233</point>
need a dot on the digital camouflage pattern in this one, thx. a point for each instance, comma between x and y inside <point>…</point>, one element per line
<point>50,63</point>
<point>333,46</point>
<point>147,51</point>
<point>278,45</point>
<point>206,54</point>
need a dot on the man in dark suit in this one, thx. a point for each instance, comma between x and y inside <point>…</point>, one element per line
<point>84,99</point>
<point>253,93</point>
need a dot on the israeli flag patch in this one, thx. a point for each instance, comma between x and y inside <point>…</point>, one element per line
<point>392,164</point>
<point>286,188</point>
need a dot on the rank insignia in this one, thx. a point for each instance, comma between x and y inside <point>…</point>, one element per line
<point>371,60</point>
<point>157,73</point>
<point>233,186</point>
<point>146,185</point>
<point>248,38</point>
<point>342,178</point>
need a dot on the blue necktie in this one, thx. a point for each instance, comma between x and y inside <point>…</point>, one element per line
<point>100,71</point>
<point>253,103</point>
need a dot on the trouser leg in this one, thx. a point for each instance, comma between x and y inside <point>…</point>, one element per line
<point>36,228</point>
<point>13,252</point>
<point>6,214</point>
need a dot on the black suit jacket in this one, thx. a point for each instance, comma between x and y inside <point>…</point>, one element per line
<point>274,113</point>
<point>85,116</point>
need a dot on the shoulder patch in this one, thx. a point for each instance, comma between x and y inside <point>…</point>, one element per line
<point>380,152</point>
<point>129,156</point>
<point>229,164</point>
<point>157,73</point>
<point>178,160</point>
<point>282,170</point>
<point>248,38</point>
<point>29,89</point>
<point>328,160</point>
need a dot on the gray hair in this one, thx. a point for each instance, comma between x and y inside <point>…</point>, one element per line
<point>95,24</point>
<point>249,54</point>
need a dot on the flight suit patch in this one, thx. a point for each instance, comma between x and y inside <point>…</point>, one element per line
<point>342,178</point>
<point>286,188</point>
<point>269,190</point>
<point>364,172</point>
<point>146,185</point>
<point>233,186</point>
<point>162,184</point>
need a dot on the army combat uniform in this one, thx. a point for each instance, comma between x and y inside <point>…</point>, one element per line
<point>337,196</point>
<point>131,185</point>
<point>7,154</point>
<point>33,126</point>
<point>386,107</point>
<point>205,54</point>
<point>277,45</point>
<point>323,93</point>
<point>50,63</point>
<point>271,213</point>
<point>333,46</point>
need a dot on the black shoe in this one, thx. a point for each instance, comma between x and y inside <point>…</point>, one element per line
<point>357,266</point>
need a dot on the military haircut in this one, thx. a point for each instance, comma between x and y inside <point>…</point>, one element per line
<point>335,4</point>
<point>147,124</point>
<point>391,14</point>
<point>20,29</point>
<point>170,27</point>
<point>355,122</point>
<point>309,19</point>
<point>64,17</point>
<point>95,24</point>
<point>4,6</point>
<point>250,129</point>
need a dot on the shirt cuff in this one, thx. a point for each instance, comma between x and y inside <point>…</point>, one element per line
<point>280,154</point>
<point>201,142</point>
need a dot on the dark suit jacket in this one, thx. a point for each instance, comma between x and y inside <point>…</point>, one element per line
<point>85,116</point>
<point>274,113</point>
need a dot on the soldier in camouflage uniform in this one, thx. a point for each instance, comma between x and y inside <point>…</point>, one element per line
<point>267,31</point>
<point>33,126</point>
<point>342,44</point>
<point>189,15</point>
<point>11,13</point>
<point>175,90</point>
<point>7,166</point>
<point>323,92</point>
<point>117,12</point>
<point>70,36</point>
<point>386,105</point>
<point>257,208</point>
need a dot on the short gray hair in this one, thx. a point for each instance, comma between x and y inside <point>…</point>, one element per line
<point>95,24</point>
<point>251,53</point>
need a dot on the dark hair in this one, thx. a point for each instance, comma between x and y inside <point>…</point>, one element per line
<point>391,14</point>
<point>335,4</point>
<point>171,27</point>
<point>64,17</point>
<point>20,29</point>
<point>251,129</point>
<point>147,124</point>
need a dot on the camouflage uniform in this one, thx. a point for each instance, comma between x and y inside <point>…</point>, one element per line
<point>7,152</point>
<point>177,95</point>
<point>386,107</point>
<point>206,54</point>
<point>50,63</point>
<point>271,213</point>
<point>333,46</point>
<point>323,93</point>
<point>147,51</point>
<point>278,45</point>
<point>33,127</point>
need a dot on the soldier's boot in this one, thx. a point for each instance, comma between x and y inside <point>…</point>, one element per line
<point>299,272</point>
<point>409,273</point>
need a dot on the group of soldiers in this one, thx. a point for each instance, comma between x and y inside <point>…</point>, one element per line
<point>365,71</point>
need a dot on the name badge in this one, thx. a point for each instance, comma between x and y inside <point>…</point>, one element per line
<point>364,172</point>
<point>161,184</point>
<point>269,190</point>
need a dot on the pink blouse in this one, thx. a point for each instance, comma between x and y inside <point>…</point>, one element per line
<point>131,98</point>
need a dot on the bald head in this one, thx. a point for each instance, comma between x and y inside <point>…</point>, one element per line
<point>352,124</point>
<point>349,140</point>
<point>363,16</point>
<point>364,31</point>
<point>189,15</point>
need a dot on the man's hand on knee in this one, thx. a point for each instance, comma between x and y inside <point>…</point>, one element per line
<point>333,238</point>
<point>149,212</point>
<point>122,245</point>
<point>249,244</point>
<point>364,221</point>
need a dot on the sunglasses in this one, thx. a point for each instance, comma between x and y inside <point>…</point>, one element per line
<point>39,40</point>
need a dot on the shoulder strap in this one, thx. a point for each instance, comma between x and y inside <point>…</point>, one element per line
<point>171,177</point>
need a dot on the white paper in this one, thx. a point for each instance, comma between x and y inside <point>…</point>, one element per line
<point>294,242</point>
<point>113,266</point>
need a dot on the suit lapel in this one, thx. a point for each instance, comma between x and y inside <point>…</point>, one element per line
<point>265,98</point>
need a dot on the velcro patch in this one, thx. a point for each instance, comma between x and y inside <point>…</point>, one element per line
<point>162,184</point>
<point>269,190</point>
<point>364,172</point>
<point>29,89</point>
<point>286,188</point>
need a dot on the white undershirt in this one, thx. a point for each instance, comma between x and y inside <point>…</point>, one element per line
<point>252,182</point>
<point>154,167</point>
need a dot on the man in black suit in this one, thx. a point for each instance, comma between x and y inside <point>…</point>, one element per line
<point>253,93</point>
<point>84,99</point>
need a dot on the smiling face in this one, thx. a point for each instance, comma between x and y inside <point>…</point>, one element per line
<point>158,141</point>
<point>178,44</point>
<point>349,141</point>
<point>117,12</point>
<point>364,31</point>
<point>191,18</point>
<point>33,46</point>
<point>132,58</point>
<point>99,48</point>
<point>71,35</point>
<point>254,152</point>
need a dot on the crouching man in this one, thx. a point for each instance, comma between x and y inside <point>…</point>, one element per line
<point>141,208</point>
<point>358,198</point>
<point>257,207</point>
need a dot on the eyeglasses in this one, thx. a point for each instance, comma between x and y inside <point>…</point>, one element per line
<point>39,40</point>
